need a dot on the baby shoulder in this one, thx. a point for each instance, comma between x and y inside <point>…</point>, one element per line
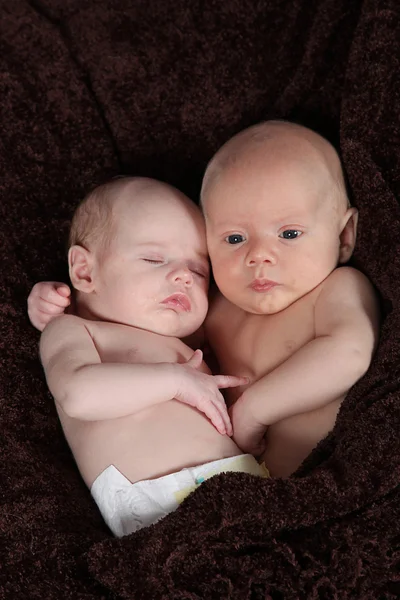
<point>63,323</point>
<point>61,331</point>
<point>348,282</point>
<point>347,295</point>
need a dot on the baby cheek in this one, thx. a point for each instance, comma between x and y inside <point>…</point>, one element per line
<point>232,265</point>
<point>224,273</point>
<point>309,275</point>
<point>202,309</point>
<point>304,264</point>
<point>139,299</point>
<point>319,267</point>
<point>295,279</point>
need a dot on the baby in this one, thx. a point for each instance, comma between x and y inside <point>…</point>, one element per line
<point>130,395</point>
<point>278,224</point>
<point>303,331</point>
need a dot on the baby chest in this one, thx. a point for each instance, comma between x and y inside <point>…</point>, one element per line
<point>253,345</point>
<point>129,345</point>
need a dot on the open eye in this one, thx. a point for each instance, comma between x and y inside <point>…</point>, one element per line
<point>290,234</point>
<point>235,238</point>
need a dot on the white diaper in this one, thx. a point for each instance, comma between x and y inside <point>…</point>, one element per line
<point>128,507</point>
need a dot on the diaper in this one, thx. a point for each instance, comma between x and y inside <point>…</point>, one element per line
<point>127,507</point>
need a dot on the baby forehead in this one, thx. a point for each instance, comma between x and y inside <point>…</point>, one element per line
<point>273,185</point>
<point>144,199</point>
<point>154,200</point>
<point>276,184</point>
<point>282,166</point>
<point>166,219</point>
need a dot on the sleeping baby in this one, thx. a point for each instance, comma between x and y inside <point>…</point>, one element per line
<point>143,416</point>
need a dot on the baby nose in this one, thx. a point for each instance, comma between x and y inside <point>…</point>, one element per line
<point>259,254</point>
<point>183,275</point>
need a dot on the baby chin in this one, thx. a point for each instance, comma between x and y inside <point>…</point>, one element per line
<point>173,324</point>
<point>265,303</point>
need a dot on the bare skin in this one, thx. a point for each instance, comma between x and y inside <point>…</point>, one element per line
<point>128,391</point>
<point>262,345</point>
<point>305,340</point>
<point>278,225</point>
<point>163,438</point>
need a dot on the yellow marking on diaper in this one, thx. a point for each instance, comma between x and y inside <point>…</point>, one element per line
<point>182,494</point>
<point>265,472</point>
<point>242,464</point>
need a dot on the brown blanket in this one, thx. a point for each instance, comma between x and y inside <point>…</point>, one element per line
<point>91,88</point>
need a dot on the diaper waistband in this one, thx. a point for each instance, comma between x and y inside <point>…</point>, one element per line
<point>243,463</point>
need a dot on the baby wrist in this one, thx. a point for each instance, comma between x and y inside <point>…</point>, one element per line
<point>251,404</point>
<point>168,379</point>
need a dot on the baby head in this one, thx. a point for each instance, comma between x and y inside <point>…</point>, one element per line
<point>138,256</point>
<point>278,220</point>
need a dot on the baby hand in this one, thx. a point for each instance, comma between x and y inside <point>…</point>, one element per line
<point>47,300</point>
<point>201,391</point>
<point>248,433</point>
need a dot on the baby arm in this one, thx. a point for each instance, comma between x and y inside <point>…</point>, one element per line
<point>47,300</point>
<point>346,333</point>
<point>87,389</point>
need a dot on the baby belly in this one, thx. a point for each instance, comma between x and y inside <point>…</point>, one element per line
<point>152,443</point>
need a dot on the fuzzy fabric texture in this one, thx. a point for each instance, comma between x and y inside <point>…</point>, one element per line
<point>89,89</point>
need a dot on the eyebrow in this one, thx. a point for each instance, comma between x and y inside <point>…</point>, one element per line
<point>160,246</point>
<point>291,219</point>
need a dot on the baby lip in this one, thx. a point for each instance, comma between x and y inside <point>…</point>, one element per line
<point>179,301</point>
<point>263,285</point>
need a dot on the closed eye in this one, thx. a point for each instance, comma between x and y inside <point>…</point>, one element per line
<point>153,261</point>
<point>199,273</point>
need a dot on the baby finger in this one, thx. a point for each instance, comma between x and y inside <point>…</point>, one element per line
<point>224,414</point>
<point>229,381</point>
<point>213,412</point>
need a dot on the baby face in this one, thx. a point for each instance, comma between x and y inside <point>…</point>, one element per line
<point>155,273</point>
<point>272,232</point>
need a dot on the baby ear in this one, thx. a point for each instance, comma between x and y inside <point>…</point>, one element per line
<point>348,235</point>
<point>80,262</point>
